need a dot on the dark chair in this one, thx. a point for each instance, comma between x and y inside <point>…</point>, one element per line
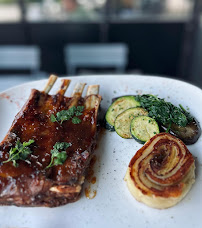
<point>96,55</point>
<point>20,58</point>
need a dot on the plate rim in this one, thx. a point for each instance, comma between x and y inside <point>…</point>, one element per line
<point>106,77</point>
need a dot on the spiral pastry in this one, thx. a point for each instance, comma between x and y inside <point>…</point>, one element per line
<point>162,172</point>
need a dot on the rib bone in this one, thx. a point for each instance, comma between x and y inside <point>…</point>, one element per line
<point>76,95</point>
<point>65,189</point>
<point>50,83</point>
<point>93,99</point>
<point>92,89</point>
<point>64,86</point>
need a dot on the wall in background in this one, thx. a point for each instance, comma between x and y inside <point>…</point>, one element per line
<point>154,47</point>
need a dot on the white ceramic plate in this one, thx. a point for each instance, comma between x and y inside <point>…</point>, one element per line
<point>113,205</point>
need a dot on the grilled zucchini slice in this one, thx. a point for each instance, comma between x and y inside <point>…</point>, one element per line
<point>117,107</point>
<point>143,128</point>
<point>123,121</point>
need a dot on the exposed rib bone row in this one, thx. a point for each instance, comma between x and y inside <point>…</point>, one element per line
<point>78,89</point>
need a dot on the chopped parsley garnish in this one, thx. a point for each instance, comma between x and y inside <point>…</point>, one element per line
<point>71,113</point>
<point>164,112</point>
<point>58,154</point>
<point>76,120</point>
<point>19,152</point>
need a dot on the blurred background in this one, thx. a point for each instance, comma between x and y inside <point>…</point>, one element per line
<point>78,37</point>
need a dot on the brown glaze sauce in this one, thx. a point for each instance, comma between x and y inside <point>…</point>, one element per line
<point>89,193</point>
<point>5,96</point>
<point>90,173</point>
<point>33,122</point>
<point>93,180</point>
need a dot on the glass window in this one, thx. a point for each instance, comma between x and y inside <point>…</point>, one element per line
<point>148,9</point>
<point>64,10</point>
<point>9,11</point>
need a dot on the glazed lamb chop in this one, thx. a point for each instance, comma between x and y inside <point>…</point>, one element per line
<point>46,153</point>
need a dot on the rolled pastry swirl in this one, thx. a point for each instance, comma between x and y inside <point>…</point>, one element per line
<point>162,172</point>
